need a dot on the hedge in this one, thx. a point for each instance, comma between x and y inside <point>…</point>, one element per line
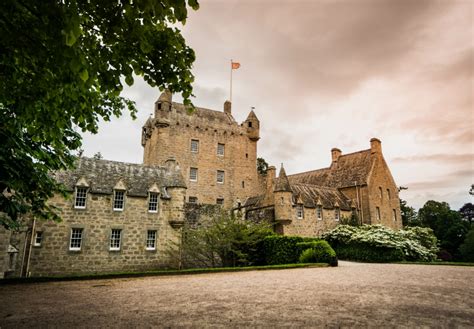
<point>280,249</point>
<point>318,252</point>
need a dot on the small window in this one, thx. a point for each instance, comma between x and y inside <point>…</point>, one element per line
<point>159,106</point>
<point>377,213</point>
<point>220,201</point>
<point>119,198</point>
<point>153,202</point>
<point>76,239</point>
<point>194,145</point>
<point>381,193</point>
<point>220,176</point>
<point>394,215</point>
<point>243,184</point>
<point>282,201</point>
<point>38,239</point>
<point>388,194</point>
<point>193,199</point>
<point>250,124</point>
<point>337,214</point>
<point>151,240</point>
<point>319,212</point>
<point>193,174</point>
<point>246,155</point>
<point>299,211</point>
<point>220,149</point>
<point>115,239</point>
<point>81,197</point>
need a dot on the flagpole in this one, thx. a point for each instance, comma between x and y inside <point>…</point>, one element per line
<point>230,81</point>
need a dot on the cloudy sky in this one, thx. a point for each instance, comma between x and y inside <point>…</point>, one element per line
<point>325,74</point>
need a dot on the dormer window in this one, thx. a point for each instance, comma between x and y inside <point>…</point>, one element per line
<point>119,200</point>
<point>153,202</point>
<point>80,197</point>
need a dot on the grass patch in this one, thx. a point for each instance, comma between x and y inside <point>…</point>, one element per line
<point>99,276</point>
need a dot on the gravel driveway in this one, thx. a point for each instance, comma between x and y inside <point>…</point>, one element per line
<point>353,294</point>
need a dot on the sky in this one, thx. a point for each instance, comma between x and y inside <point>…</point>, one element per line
<point>324,74</point>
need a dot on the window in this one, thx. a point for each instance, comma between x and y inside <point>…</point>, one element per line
<point>381,193</point>
<point>193,199</point>
<point>220,176</point>
<point>394,215</point>
<point>119,198</point>
<point>194,145</point>
<point>250,124</point>
<point>220,201</point>
<point>153,202</point>
<point>193,174</point>
<point>151,240</point>
<point>299,211</point>
<point>159,106</point>
<point>38,239</point>
<point>246,155</point>
<point>282,201</point>
<point>377,213</point>
<point>388,194</point>
<point>81,197</point>
<point>115,239</point>
<point>76,239</point>
<point>337,214</point>
<point>319,212</point>
<point>220,149</point>
<point>243,184</point>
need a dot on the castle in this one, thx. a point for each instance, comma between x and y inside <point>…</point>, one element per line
<point>127,217</point>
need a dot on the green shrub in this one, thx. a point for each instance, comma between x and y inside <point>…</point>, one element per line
<point>318,252</point>
<point>281,249</point>
<point>376,243</point>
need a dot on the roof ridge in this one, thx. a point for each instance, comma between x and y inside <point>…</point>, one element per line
<point>309,171</point>
<point>352,153</point>
<point>317,186</point>
<point>121,162</point>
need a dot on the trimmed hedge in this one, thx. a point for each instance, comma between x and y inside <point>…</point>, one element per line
<point>281,249</point>
<point>318,252</point>
<point>367,253</point>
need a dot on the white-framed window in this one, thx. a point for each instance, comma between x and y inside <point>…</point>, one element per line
<point>115,239</point>
<point>153,202</point>
<point>299,211</point>
<point>38,238</point>
<point>80,198</point>
<point>220,201</point>
<point>76,239</point>
<point>220,176</point>
<point>220,149</point>
<point>193,174</point>
<point>119,200</point>
<point>388,194</point>
<point>319,212</point>
<point>194,145</point>
<point>193,199</point>
<point>377,213</point>
<point>337,214</point>
<point>151,240</point>
<point>394,212</point>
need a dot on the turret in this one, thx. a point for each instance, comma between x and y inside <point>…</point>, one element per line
<point>283,194</point>
<point>163,109</point>
<point>253,126</point>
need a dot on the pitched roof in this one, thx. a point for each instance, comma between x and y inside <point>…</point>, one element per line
<point>349,169</point>
<point>282,183</point>
<point>313,195</point>
<point>103,175</point>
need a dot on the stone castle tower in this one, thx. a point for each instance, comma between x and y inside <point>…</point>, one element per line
<point>217,155</point>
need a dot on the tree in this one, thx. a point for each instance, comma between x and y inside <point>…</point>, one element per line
<point>262,166</point>
<point>409,215</point>
<point>467,212</point>
<point>62,68</point>
<point>467,248</point>
<point>446,224</point>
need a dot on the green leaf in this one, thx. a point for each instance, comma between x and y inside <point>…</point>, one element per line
<point>84,75</point>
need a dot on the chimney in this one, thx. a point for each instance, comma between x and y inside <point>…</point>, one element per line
<point>228,107</point>
<point>375,146</point>
<point>335,154</point>
<point>271,175</point>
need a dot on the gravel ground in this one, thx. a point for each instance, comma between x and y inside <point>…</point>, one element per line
<point>351,295</point>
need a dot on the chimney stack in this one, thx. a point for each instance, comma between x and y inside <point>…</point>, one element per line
<point>228,107</point>
<point>375,146</point>
<point>271,175</point>
<point>335,154</point>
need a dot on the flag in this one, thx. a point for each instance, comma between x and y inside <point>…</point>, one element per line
<point>235,66</point>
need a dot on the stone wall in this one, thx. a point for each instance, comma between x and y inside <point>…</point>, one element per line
<point>4,258</point>
<point>54,256</point>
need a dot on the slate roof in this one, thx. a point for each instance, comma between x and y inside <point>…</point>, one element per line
<point>103,175</point>
<point>282,183</point>
<point>313,195</point>
<point>349,169</point>
<point>205,114</point>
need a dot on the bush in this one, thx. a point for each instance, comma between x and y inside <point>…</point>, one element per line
<point>467,247</point>
<point>376,243</point>
<point>319,252</point>
<point>280,249</point>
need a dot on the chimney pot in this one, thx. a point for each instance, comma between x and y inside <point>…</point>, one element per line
<point>375,145</point>
<point>228,107</point>
<point>335,154</point>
